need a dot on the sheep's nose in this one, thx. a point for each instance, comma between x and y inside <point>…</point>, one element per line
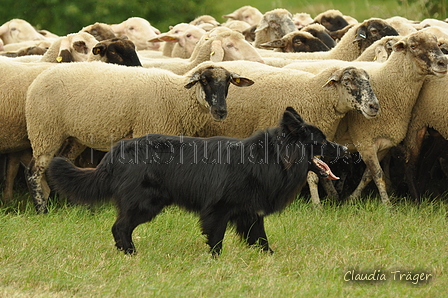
<point>220,115</point>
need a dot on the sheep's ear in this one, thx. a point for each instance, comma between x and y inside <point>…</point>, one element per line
<point>278,43</point>
<point>217,52</point>
<point>262,25</point>
<point>361,33</point>
<point>99,49</point>
<point>240,81</point>
<point>164,37</point>
<point>193,80</point>
<point>335,78</point>
<point>399,46</point>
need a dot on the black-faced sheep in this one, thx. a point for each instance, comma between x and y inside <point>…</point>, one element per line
<point>297,41</point>
<point>397,84</point>
<point>274,25</point>
<point>320,32</point>
<point>352,44</point>
<point>331,19</point>
<point>126,102</point>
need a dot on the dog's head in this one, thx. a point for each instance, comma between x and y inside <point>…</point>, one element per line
<point>306,142</point>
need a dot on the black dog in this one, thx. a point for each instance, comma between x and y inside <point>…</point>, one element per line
<point>222,179</point>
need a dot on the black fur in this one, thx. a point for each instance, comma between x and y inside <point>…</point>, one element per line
<point>225,180</point>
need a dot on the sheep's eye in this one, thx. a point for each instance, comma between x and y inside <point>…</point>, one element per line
<point>13,29</point>
<point>204,81</point>
<point>229,45</point>
<point>131,28</point>
<point>412,46</point>
<point>373,31</point>
<point>188,35</point>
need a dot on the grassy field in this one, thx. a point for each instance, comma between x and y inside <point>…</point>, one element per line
<point>69,252</point>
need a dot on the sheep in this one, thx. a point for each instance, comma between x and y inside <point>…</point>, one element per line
<point>297,41</point>
<point>352,44</point>
<point>127,102</point>
<point>27,51</point>
<point>402,25</point>
<point>184,40</point>
<point>169,44</point>
<point>380,50</point>
<point>13,139</point>
<point>397,83</point>
<point>239,26</point>
<point>73,47</point>
<point>320,32</point>
<point>274,25</point>
<point>220,44</point>
<point>247,13</point>
<point>205,22</point>
<point>334,92</point>
<point>18,30</point>
<point>331,19</point>
<point>100,31</point>
<point>430,110</point>
<point>12,47</point>
<point>301,20</point>
<point>139,31</point>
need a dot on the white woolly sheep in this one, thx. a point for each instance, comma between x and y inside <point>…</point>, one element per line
<point>274,25</point>
<point>397,83</point>
<point>430,110</point>
<point>13,139</point>
<point>184,40</point>
<point>247,13</point>
<point>139,31</point>
<point>302,19</point>
<point>168,45</point>
<point>402,25</point>
<point>205,22</point>
<point>128,101</point>
<point>18,30</point>
<point>380,50</point>
<point>352,44</point>
<point>236,25</point>
<point>220,44</point>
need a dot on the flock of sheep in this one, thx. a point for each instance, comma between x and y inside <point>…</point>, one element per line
<point>372,86</point>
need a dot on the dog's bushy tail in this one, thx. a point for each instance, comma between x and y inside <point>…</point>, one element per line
<point>82,185</point>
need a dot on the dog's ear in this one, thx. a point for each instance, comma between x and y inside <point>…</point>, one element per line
<point>292,121</point>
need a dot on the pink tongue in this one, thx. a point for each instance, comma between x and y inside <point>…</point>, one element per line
<point>327,170</point>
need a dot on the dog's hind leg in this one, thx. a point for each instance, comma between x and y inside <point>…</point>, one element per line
<point>128,220</point>
<point>251,229</point>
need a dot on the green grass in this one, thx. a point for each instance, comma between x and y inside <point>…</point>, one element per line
<point>69,252</point>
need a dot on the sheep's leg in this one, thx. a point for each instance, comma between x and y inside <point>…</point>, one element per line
<point>252,231</point>
<point>13,164</point>
<point>313,181</point>
<point>372,162</point>
<point>331,191</point>
<point>411,163</point>
<point>36,183</point>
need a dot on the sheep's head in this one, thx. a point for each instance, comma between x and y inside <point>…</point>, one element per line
<point>118,51</point>
<point>212,87</point>
<point>422,47</point>
<point>276,23</point>
<point>297,42</point>
<point>331,19</point>
<point>372,30</point>
<point>356,91</point>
